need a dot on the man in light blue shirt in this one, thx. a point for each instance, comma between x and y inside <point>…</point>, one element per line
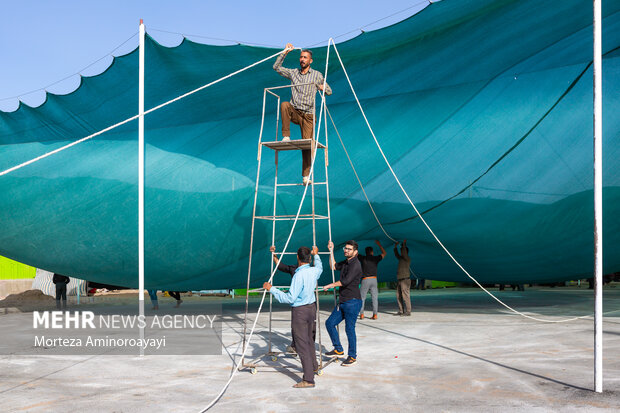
<point>301,297</point>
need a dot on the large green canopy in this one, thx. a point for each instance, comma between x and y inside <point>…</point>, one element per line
<point>483,107</point>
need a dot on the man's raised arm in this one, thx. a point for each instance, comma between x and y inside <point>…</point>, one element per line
<point>383,253</point>
<point>277,66</point>
<point>405,250</point>
<point>398,257</point>
<point>318,265</point>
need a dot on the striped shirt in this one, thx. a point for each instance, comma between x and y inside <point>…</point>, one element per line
<point>302,97</point>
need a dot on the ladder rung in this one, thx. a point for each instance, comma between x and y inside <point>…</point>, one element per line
<point>294,253</point>
<point>283,287</point>
<point>300,184</point>
<point>291,217</point>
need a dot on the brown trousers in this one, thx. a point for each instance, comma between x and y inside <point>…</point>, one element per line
<point>403,297</point>
<point>306,122</point>
<point>303,318</point>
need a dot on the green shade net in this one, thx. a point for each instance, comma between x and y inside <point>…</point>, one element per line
<point>484,109</point>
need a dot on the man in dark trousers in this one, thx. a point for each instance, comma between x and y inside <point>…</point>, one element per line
<point>369,262</point>
<point>177,296</point>
<point>289,269</point>
<point>302,298</point>
<point>349,303</point>
<point>404,280</point>
<point>61,282</point>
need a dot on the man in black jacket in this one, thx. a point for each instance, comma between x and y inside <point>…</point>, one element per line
<point>349,304</point>
<point>61,282</point>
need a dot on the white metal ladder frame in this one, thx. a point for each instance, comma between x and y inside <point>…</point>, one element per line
<point>278,146</point>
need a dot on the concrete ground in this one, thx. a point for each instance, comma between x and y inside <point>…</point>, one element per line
<point>459,352</point>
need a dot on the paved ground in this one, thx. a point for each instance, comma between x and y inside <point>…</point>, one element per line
<point>459,352</point>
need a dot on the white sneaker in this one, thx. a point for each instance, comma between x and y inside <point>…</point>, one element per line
<point>285,139</point>
<point>307,180</point>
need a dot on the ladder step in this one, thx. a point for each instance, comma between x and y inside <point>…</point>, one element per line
<point>300,184</point>
<point>291,217</point>
<point>293,145</point>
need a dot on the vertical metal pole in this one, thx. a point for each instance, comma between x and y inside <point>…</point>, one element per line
<point>270,317</point>
<point>277,117</point>
<point>329,216</point>
<point>598,202</point>
<point>275,198</point>
<point>141,182</point>
<point>318,327</point>
<point>311,177</point>
<point>273,238</point>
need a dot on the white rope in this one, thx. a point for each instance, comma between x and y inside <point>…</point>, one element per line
<point>358,178</point>
<point>424,221</point>
<point>363,189</point>
<point>38,158</point>
<point>322,93</point>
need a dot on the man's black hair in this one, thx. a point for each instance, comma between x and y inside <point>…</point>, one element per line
<point>304,254</point>
<point>369,250</point>
<point>307,51</point>
<point>352,243</point>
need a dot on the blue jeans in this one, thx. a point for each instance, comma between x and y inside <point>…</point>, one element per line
<point>153,296</point>
<point>348,312</point>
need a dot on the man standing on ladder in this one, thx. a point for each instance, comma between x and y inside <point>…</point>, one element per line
<point>369,262</point>
<point>349,304</point>
<point>302,298</point>
<point>300,110</point>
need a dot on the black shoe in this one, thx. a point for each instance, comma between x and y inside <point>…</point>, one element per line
<point>398,314</point>
<point>335,353</point>
<point>349,362</point>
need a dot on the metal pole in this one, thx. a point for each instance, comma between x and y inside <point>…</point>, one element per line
<point>273,238</point>
<point>311,176</point>
<point>270,318</point>
<point>329,215</point>
<point>598,202</point>
<point>141,182</point>
<point>275,197</point>
<point>277,117</point>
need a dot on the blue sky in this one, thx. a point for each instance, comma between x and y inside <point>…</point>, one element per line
<point>44,44</point>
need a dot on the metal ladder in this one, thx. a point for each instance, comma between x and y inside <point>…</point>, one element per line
<point>277,147</point>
